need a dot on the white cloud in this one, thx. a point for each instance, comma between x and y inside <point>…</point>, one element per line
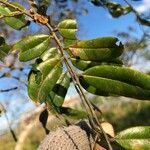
<point>144,7</point>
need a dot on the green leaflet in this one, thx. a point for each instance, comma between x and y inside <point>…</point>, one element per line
<point>83,65</point>
<point>68,29</point>
<point>42,79</point>
<point>49,82</point>
<point>104,42</point>
<point>57,95</point>
<point>50,53</point>
<point>122,74</point>
<point>32,46</point>
<point>4,48</point>
<point>68,42</point>
<point>34,79</point>
<point>16,22</point>
<point>100,49</point>
<point>136,138</point>
<point>107,87</point>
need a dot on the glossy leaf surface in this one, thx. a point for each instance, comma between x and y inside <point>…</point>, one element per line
<point>136,138</point>
<point>16,22</point>
<point>100,49</point>
<point>68,28</point>
<point>108,87</point>
<point>123,74</point>
<point>32,46</point>
<point>43,79</point>
<point>50,53</point>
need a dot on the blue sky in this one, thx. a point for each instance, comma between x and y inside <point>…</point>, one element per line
<point>99,22</point>
<point>96,23</point>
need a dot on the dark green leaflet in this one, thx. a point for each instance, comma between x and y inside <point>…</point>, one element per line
<point>57,95</point>
<point>4,48</point>
<point>123,74</point>
<point>106,87</point>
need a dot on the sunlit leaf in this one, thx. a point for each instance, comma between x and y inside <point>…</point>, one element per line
<point>32,46</point>
<point>42,80</point>
<point>50,53</point>
<point>16,22</point>
<point>100,49</point>
<point>108,87</point>
<point>68,29</point>
<point>136,138</point>
<point>123,74</point>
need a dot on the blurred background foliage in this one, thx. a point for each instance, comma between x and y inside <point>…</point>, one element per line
<point>119,111</point>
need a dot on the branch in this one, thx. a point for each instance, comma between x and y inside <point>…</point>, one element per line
<point>8,90</point>
<point>139,19</point>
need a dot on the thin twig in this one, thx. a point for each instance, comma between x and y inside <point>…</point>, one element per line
<point>8,90</point>
<point>9,125</point>
<point>16,8</point>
